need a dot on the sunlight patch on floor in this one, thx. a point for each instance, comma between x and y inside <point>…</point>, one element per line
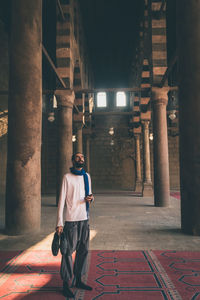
<point>45,244</point>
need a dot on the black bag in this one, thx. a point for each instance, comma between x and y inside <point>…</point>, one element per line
<point>55,244</point>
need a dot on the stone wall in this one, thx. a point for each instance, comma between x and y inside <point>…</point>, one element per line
<point>112,166</point>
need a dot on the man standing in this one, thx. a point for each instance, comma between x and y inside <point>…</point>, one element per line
<point>75,198</point>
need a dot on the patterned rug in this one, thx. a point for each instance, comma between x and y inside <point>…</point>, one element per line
<point>124,275</point>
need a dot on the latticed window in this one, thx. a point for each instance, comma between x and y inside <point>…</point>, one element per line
<point>101,100</point>
<point>121,99</point>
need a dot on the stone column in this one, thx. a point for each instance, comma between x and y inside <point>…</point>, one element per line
<point>138,187</point>
<point>147,184</point>
<point>23,188</point>
<point>188,38</point>
<point>65,105</point>
<point>79,137</point>
<point>160,147</point>
<point>88,153</point>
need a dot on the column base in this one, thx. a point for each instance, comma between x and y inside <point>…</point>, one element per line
<point>162,199</point>
<point>138,187</point>
<point>147,189</point>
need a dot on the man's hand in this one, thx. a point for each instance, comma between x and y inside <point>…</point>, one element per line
<point>59,230</point>
<point>89,198</point>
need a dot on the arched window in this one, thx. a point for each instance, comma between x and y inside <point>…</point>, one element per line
<point>101,100</point>
<point>121,99</point>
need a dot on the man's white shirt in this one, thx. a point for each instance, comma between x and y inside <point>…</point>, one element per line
<point>72,206</point>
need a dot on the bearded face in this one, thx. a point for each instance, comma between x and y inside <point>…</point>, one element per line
<point>79,161</point>
<point>79,164</point>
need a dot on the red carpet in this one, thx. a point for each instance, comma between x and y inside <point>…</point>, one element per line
<point>175,194</point>
<point>124,275</point>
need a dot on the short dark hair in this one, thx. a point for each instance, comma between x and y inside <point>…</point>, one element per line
<point>74,155</point>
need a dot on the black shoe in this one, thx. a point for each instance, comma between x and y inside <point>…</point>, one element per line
<point>83,286</point>
<point>63,243</point>
<point>55,244</point>
<point>66,291</point>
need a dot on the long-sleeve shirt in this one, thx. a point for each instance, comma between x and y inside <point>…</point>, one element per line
<point>72,206</point>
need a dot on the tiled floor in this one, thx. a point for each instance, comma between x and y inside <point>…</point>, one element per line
<point>118,222</point>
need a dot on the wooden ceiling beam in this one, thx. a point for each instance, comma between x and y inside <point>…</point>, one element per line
<point>172,88</point>
<point>53,66</point>
<point>107,113</point>
<point>94,90</point>
<point>61,10</point>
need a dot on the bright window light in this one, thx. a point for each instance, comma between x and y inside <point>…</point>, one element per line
<point>101,100</point>
<point>121,99</point>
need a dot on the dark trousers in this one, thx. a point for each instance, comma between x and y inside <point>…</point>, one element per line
<point>77,235</point>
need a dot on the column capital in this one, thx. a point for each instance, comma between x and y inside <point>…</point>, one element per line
<point>65,98</point>
<point>159,95</point>
<point>137,135</point>
<point>137,130</point>
<point>145,123</point>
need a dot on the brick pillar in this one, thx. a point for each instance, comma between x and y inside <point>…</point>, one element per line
<point>188,38</point>
<point>160,146</point>
<point>147,184</point>
<point>23,190</point>
<point>138,186</point>
<point>65,105</point>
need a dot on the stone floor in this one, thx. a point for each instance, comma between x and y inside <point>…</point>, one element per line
<point>118,221</point>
